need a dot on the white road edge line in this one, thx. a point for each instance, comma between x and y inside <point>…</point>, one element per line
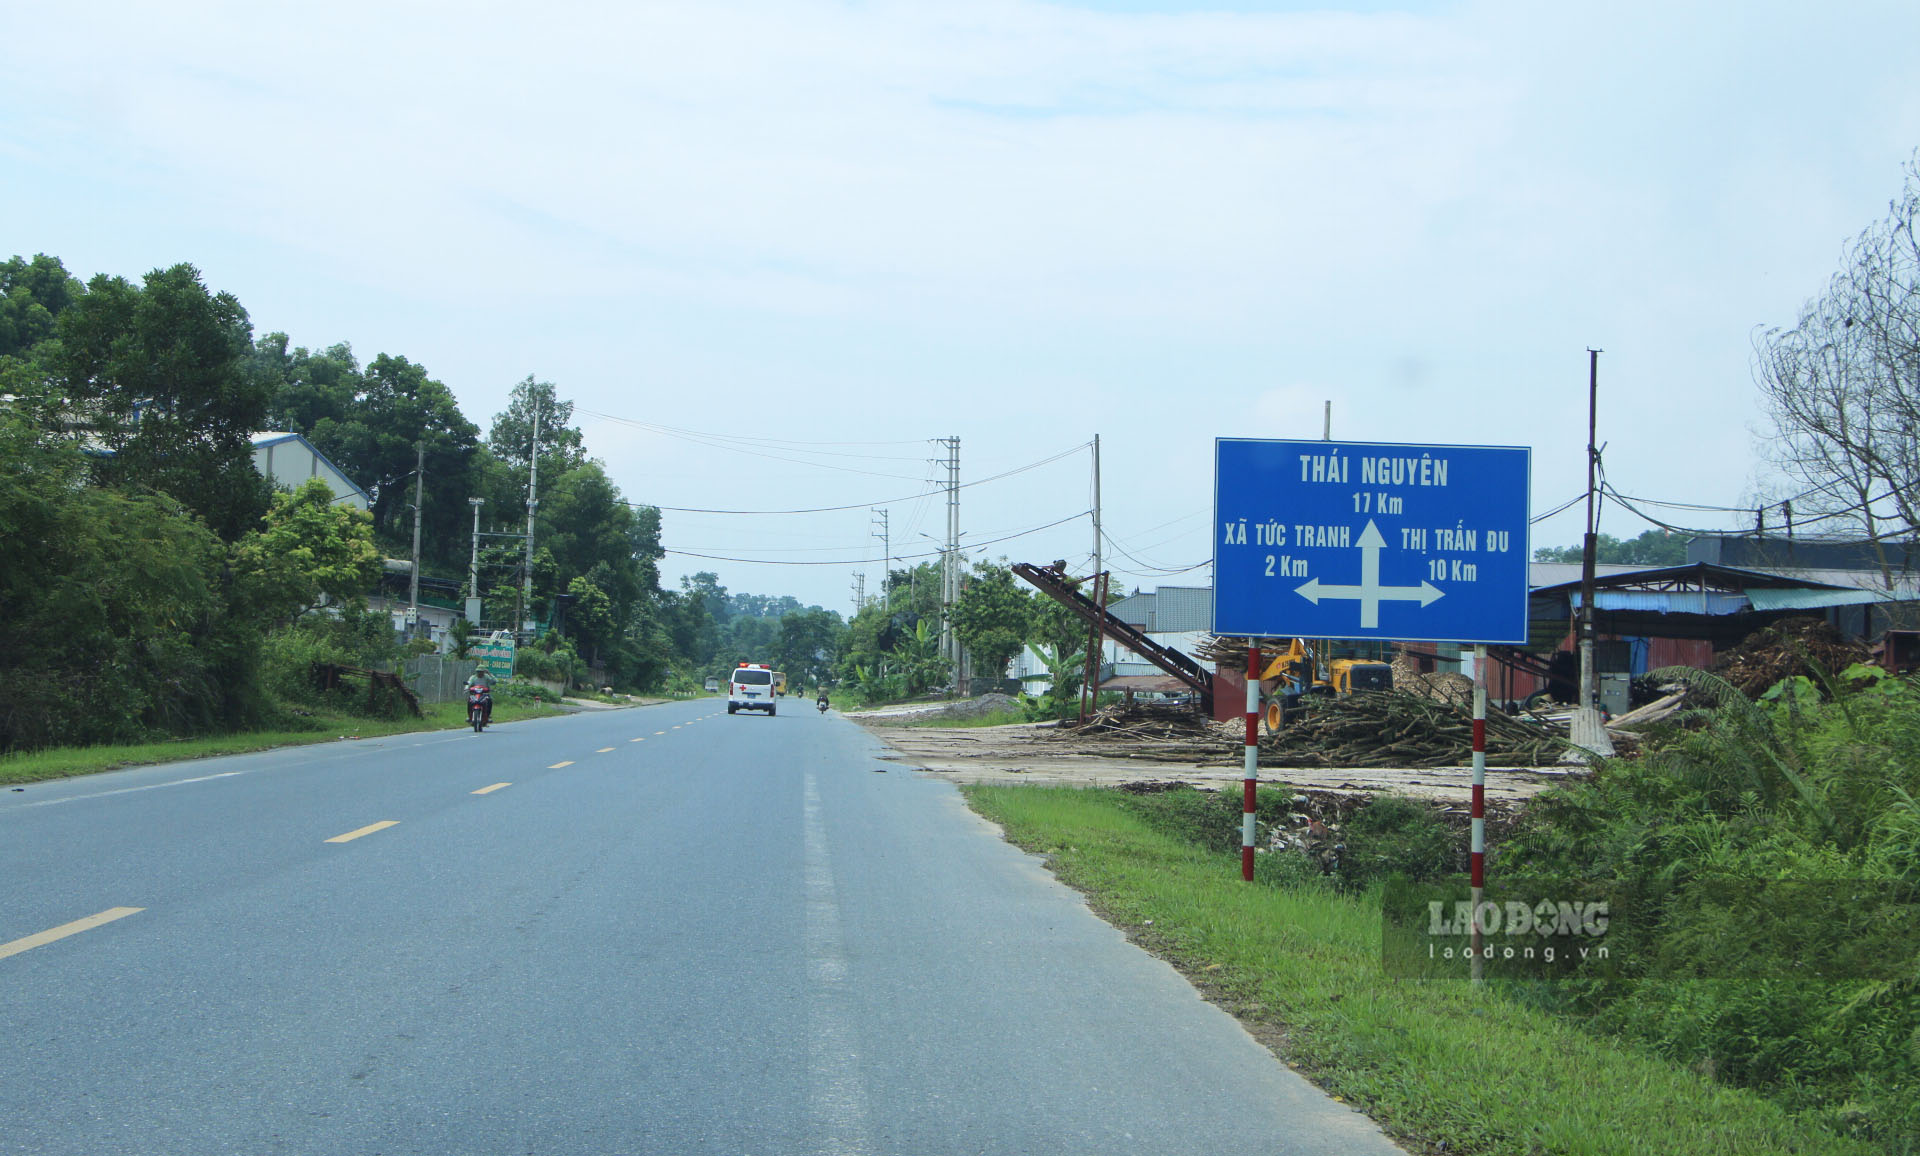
<point>131,790</point>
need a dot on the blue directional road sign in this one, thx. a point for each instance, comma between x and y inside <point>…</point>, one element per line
<point>1416,543</point>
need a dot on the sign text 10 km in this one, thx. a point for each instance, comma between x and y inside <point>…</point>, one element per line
<point>1320,539</point>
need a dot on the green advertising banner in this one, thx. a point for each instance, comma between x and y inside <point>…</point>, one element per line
<point>497,657</point>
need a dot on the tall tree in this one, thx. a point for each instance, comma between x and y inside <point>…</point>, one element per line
<point>160,369</point>
<point>32,294</point>
<point>400,407</point>
<point>1842,386</point>
<point>992,618</point>
<point>307,388</point>
<point>511,438</point>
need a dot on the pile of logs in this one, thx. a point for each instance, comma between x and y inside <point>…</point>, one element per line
<point>1143,721</point>
<point>1391,729</point>
<point>1787,648</point>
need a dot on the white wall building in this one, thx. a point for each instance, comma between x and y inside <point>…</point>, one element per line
<point>290,461</point>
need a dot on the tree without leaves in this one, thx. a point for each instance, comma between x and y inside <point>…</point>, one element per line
<point>1842,387</point>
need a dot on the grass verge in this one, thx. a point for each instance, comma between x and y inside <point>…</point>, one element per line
<point>1442,1067</point>
<point>946,720</point>
<point>62,762</point>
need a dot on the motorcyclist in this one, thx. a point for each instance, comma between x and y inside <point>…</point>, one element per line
<point>483,682</point>
<point>822,702</point>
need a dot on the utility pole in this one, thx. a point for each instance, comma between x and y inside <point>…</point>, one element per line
<point>950,559</point>
<point>886,546</point>
<point>473,565</point>
<point>1096,503</point>
<point>859,592</point>
<point>413,591</point>
<point>533,503</point>
<point>1587,732</point>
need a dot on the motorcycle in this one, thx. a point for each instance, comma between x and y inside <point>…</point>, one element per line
<point>479,706</point>
<point>822,704</point>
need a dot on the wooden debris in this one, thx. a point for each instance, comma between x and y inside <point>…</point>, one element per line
<point>1392,729</point>
<point>1789,647</point>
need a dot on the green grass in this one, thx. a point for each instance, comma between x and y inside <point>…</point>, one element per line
<point>998,718</point>
<point>61,762</point>
<point>1442,1066</point>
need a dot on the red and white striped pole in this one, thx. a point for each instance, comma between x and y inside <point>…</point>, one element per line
<point>1253,759</point>
<point>1479,846</point>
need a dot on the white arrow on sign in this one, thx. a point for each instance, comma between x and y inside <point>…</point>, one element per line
<point>1370,593</point>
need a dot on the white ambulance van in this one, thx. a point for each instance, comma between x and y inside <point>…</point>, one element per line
<point>750,688</point>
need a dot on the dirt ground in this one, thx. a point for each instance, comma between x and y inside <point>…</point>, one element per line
<point>1036,753</point>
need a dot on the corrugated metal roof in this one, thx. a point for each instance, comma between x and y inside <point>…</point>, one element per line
<point>1668,601</point>
<point>1790,599</point>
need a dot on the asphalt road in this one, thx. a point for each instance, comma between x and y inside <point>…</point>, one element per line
<point>661,930</point>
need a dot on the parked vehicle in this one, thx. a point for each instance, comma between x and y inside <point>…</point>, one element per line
<point>751,688</point>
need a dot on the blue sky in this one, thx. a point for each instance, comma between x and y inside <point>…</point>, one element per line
<point>1020,223</point>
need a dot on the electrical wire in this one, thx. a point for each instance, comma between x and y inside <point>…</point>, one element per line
<point>794,444</point>
<point>1561,508</point>
<point>865,561</point>
<point>933,493</point>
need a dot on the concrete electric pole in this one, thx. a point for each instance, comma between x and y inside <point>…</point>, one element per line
<point>413,586</point>
<point>533,504</point>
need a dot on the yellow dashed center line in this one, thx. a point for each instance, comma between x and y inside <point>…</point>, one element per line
<point>492,789</point>
<point>369,829</point>
<point>65,929</point>
<point>562,763</point>
<point>603,750</point>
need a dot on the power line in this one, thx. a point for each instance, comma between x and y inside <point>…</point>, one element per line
<point>861,561</point>
<point>939,492</point>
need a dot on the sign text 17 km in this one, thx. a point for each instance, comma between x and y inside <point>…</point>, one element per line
<point>1420,543</point>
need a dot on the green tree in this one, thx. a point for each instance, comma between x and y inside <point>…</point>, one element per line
<point>562,446</point>
<point>306,388</point>
<point>32,294</point>
<point>591,619</point>
<point>399,407</point>
<point>808,645</point>
<point>1650,548</point>
<point>160,370</point>
<point>311,551</point>
<point>992,617</point>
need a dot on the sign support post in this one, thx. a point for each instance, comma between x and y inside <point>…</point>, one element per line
<point>1478,853</point>
<point>1253,760</point>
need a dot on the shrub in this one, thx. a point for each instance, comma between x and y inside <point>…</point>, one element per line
<point>515,690</point>
<point>1211,819</point>
<point>1394,835</point>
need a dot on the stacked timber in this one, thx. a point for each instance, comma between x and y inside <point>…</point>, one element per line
<point>1393,729</point>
